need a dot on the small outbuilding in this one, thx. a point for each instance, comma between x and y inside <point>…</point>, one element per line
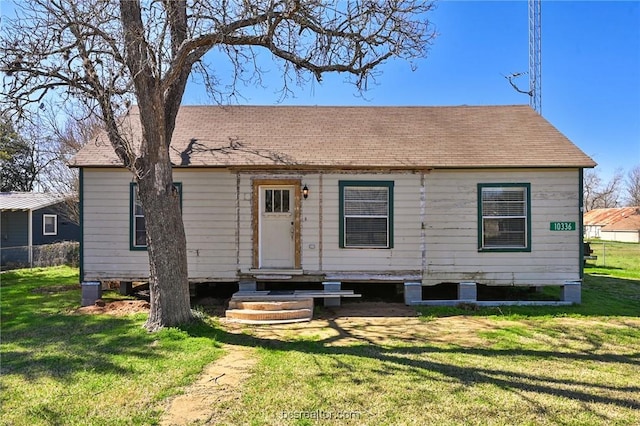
<point>30,220</point>
<point>412,196</point>
<point>595,220</point>
<point>626,230</point>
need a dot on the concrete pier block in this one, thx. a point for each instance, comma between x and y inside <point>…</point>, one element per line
<point>412,293</point>
<point>572,292</point>
<point>467,291</point>
<point>126,287</point>
<point>91,291</point>
<point>247,285</point>
<point>332,286</point>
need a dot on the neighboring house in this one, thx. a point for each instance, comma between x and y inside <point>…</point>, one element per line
<point>32,219</point>
<point>595,219</point>
<point>626,230</point>
<point>416,195</point>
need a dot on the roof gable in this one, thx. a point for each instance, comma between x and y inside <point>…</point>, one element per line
<point>356,137</point>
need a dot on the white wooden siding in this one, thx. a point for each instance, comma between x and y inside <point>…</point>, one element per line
<point>405,256</point>
<point>217,213</point>
<point>209,215</point>
<point>451,229</point>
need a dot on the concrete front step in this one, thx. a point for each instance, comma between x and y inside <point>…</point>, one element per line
<point>279,305</point>
<point>254,315</point>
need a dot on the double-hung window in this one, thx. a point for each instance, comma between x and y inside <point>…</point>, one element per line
<point>49,224</point>
<point>366,214</point>
<point>504,217</point>
<point>138,225</point>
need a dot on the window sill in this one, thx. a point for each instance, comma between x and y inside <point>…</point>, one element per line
<point>504,250</point>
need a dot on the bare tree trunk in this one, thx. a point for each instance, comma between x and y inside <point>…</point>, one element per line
<point>166,241</point>
<point>158,104</point>
<point>168,280</point>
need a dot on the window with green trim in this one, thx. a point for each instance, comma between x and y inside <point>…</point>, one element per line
<point>366,214</point>
<point>137,222</point>
<point>504,217</point>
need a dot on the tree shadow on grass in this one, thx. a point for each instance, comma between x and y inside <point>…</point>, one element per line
<point>43,337</point>
<point>425,360</point>
<point>65,344</point>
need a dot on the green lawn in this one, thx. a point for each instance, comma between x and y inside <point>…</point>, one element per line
<point>571,365</point>
<point>61,368</point>
<point>615,259</point>
<point>575,365</point>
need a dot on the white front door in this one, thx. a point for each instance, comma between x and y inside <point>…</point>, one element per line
<point>277,230</point>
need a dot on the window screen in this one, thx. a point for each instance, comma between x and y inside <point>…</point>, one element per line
<point>366,214</point>
<point>504,214</point>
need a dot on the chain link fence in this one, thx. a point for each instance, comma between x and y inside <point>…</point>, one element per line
<point>63,253</point>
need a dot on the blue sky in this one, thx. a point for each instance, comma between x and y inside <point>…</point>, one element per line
<point>590,71</point>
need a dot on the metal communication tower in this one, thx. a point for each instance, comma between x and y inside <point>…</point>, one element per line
<point>535,56</point>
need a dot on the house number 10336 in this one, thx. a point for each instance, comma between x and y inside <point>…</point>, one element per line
<point>563,226</point>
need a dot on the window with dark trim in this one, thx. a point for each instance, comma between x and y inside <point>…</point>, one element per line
<point>504,217</point>
<point>366,214</point>
<point>137,223</point>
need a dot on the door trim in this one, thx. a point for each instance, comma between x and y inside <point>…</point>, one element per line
<point>255,217</point>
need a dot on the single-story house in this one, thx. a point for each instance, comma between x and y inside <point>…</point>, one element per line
<point>29,220</point>
<point>416,196</point>
<point>626,230</point>
<point>596,219</point>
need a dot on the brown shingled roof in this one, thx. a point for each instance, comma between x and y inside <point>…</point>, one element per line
<point>358,137</point>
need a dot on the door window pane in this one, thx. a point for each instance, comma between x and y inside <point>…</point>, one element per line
<point>268,201</point>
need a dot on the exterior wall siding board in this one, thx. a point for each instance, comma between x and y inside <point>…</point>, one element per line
<point>452,253</point>
<point>209,225</point>
<point>310,223</point>
<point>214,227</point>
<point>405,254</point>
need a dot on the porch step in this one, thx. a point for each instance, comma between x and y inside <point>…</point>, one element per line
<point>269,311</point>
<point>282,305</point>
<point>256,316</point>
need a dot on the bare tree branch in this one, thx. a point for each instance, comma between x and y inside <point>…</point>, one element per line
<point>633,187</point>
<point>107,54</point>
<point>599,194</point>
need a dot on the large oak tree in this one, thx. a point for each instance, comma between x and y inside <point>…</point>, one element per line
<point>108,54</point>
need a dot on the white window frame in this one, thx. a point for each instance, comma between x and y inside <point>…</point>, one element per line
<point>44,224</point>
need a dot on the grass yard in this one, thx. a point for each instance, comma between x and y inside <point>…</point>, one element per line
<point>615,259</point>
<point>61,368</point>
<point>576,365</point>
